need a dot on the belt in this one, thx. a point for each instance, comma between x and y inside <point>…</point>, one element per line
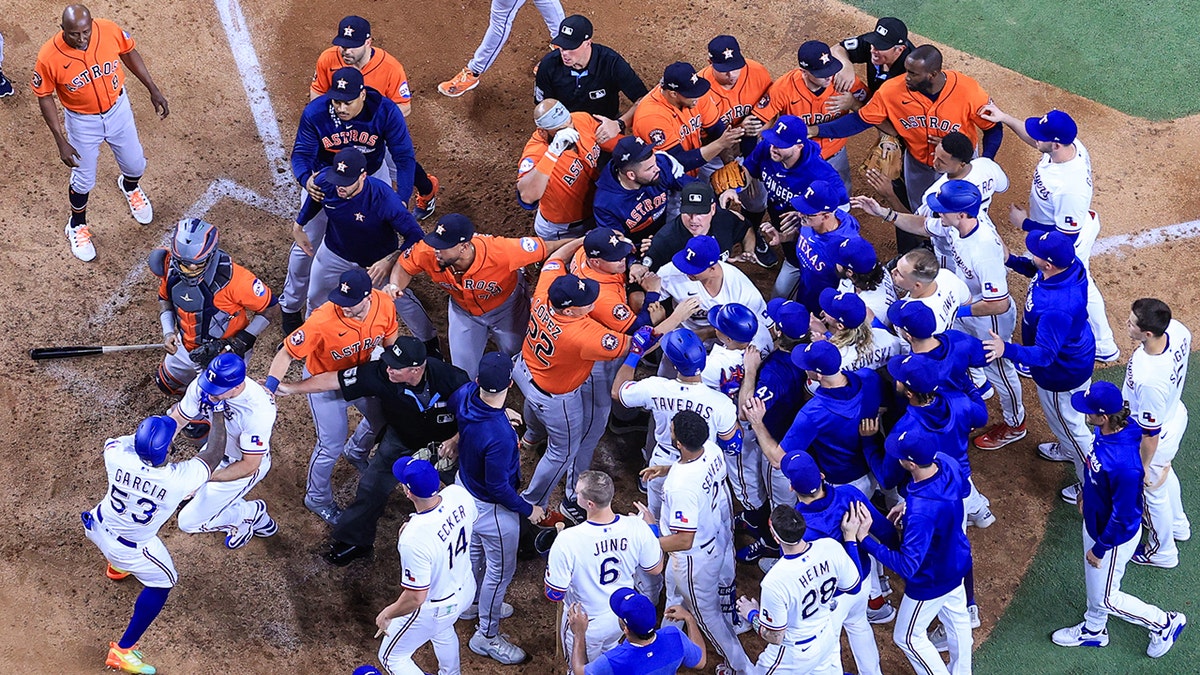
<point>100,519</point>
<point>805,641</point>
<point>109,108</point>
<point>535,386</point>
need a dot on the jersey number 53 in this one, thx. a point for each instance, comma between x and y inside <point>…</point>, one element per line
<point>119,499</point>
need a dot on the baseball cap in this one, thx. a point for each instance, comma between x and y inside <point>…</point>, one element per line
<point>608,244</point>
<point>919,373</point>
<point>820,197</point>
<point>495,372</point>
<point>819,357</point>
<point>348,165</point>
<point>353,31</point>
<point>915,444</point>
<point>1101,398</point>
<point>418,475</point>
<point>956,196</point>
<point>571,291</point>
<point>855,254</point>
<point>354,285</point>
<point>452,229</point>
<point>572,32</point>
<point>630,150</point>
<point>1053,247</point>
<point>787,132</point>
<point>634,609</point>
<point>406,352</point>
<point>814,56</point>
<point>846,308</point>
<point>914,316</point>
<point>681,78</point>
<point>696,198</point>
<point>889,32</point>
<point>347,84</point>
<point>1055,126</point>
<point>801,471</point>
<point>366,669</point>
<point>701,253</point>
<point>725,54</point>
<point>734,319</point>
<point>790,317</point>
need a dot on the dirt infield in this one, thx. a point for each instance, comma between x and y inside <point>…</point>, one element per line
<point>275,606</point>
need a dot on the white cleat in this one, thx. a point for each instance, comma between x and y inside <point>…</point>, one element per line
<point>139,203</point>
<point>80,239</point>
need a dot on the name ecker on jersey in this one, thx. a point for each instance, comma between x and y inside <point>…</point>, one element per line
<point>454,518</point>
<point>133,482</point>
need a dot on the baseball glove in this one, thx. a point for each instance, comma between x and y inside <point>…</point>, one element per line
<point>206,352</point>
<point>886,158</point>
<point>445,466</point>
<point>729,177</point>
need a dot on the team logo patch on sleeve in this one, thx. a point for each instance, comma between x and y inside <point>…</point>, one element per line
<point>259,288</point>
<point>621,312</point>
<point>764,101</point>
<point>297,338</point>
<point>404,91</point>
<point>529,244</point>
<point>409,575</point>
<point>525,166</point>
<point>36,80</point>
<point>551,265</point>
<point>679,516</point>
<point>657,137</point>
<point>609,342</point>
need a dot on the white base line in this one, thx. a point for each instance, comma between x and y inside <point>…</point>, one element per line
<point>1158,235</point>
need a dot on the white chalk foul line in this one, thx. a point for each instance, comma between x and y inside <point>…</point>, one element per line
<point>1152,237</point>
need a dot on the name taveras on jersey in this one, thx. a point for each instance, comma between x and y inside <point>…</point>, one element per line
<point>135,482</point>
<point>94,73</point>
<point>681,404</point>
<point>452,521</point>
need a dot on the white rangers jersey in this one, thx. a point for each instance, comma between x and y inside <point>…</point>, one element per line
<point>986,175</point>
<point>1062,192</point>
<point>249,417</point>
<point>692,497</point>
<point>977,259</point>
<point>724,370</point>
<point>736,287</point>
<point>590,561</point>
<point>877,300</point>
<point>1153,386</point>
<point>142,498</point>
<point>884,346</point>
<point>435,545</point>
<point>796,594</point>
<point>664,398</point>
<point>951,294</point>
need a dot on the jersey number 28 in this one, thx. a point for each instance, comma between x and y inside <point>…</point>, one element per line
<point>811,605</point>
<point>119,500</point>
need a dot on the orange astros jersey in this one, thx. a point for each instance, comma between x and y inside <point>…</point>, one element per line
<point>921,122</point>
<point>664,126</point>
<point>329,340</point>
<point>736,104</point>
<point>612,305</point>
<point>88,82</point>
<point>791,96</point>
<point>223,308</point>
<point>560,350</point>
<point>383,73</point>
<point>491,278</point>
<point>568,195</point>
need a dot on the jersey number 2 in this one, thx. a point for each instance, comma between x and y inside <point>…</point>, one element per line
<point>456,547</point>
<point>543,346</point>
<point>119,500</point>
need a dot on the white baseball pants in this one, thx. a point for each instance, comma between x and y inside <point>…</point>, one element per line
<point>149,561</point>
<point>745,472</point>
<point>1163,517</point>
<point>1001,373</point>
<point>851,615</point>
<point>1068,425</point>
<point>691,575</point>
<point>222,506</point>
<point>432,622</point>
<point>818,655</point>
<point>1104,595</point>
<point>603,634</point>
<point>85,133</point>
<point>1106,346</point>
<point>500,22</point>
<point>912,628</point>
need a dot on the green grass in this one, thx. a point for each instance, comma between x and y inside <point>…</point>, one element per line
<point>1052,593</point>
<point>1135,56</point>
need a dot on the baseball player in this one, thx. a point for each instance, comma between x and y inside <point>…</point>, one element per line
<point>798,614</point>
<point>348,115</point>
<point>84,65</point>
<point>680,115</point>
<point>693,532</point>
<point>435,567</point>
<point>737,84</point>
<point>647,650</point>
<point>6,87</point>
<point>1153,388</point>
<point>862,274</point>
<point>249,411</point>
<point>354,46</point>
<point>587,562</point>
<point>954,351</point>
<point>918,278</point>
<point>340,334</point>
<point>699,214</point>
<point>843,321</point>
<point>204,299</point>
<point>632,191</point>
<point>499,26</point>
<point>143,492</point>
<point>886,48</point>
<point>482,275</point>
<point>1111,504</point>
<point>1060,198</point>
<point>817,225</point>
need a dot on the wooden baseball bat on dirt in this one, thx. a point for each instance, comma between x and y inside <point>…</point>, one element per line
<point>44,353</point>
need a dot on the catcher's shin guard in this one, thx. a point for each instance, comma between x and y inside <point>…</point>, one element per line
<point>167,382</point>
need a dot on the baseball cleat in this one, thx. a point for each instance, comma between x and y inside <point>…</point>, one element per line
<point>1080,636</point>
<point>1140,558</point>
<point>139,203</point>
<point>1183,532</point>
<point>532,447</point>
<point>999,435</point>
<point>742,523</point>
<point>973,612</point>
<point>342,554</point>
<point>498,648</point>
<point>6,88</point>
<point>460,84</point>
<point>573,511</point>
<point>983,518</point>
<point>764,255</point>
<point>264,525</point>
<point>1070,494</point>
<point>753,552</point>
<point>1023,370</point>
<point>243,532</point>
<point>643,486</point>
<point>1161,641</point>
<point>80,239</point>
<point>1053,452</point>
<point>424,205</point>
<point>114,573</point>
<point>127,660</point>
<point>1110,358</point>
<point>328,512</point>
<point>624,427</point>
<point>883,614</point>
<point>741,626</point>
<point>765,564</point>
<point>938,637</point>
<point>472,612</point>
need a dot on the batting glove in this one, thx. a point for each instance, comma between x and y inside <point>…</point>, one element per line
<point>643,340</point>
<point>565,138</point>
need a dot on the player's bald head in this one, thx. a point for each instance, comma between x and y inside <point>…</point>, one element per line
<point>76,16</point>
<point>689,430</point>
<point>551,115</point>
<point>928,57</point>
<point>596,487</point>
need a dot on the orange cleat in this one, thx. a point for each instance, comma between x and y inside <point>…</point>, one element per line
<point>114,573</point>
<point>460,84</point>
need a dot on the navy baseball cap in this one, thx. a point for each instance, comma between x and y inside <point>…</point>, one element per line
<point>819,357</point>
<point>956,196</point>
<point>630,150</point>
<point>846,308</point>
<point>452,229</point>
<point>814,56</point>
<point>790,317</point>
<point>801,471</point>
<point>725,54</point>
<point>1054,247</point>
<point>701,253</point>
<point>406,352</point>
<point>571,291</point>
<point>914,316</point>
<point>919,373</point>
<point>495,372</point>
<point>1055,126</point>
<point>820,197</point>
<point>572,32</point>
<point>681,78</point>
<point>347,84</point>
<point>787,132</point>
<point>353,31</point>
<point>608,244</point>
<point>855,254</point>
<point>418,475</point>
<point>1101,398</point>
<point>889,32</point>
<point>696,198</point>
<point>349,164</point>
<point>634,609</point>
<point>915,444</point>
<point>353,287</point>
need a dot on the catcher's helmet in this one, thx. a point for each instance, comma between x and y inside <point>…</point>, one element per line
<point>223,373</point>
<point>685,350</point>
<point>152,439</point>
<point>735,320</point>
<point>193,247</point>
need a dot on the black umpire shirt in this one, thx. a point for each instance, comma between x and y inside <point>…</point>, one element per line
<point>727,228</point>
<point>596,89</point>
<point>420,414</point>
<point>860,52</point>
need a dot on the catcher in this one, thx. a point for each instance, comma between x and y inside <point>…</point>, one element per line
<point>205,300</point>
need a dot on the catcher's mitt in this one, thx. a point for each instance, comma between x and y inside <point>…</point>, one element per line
<point>446,466</point>
<point>729,177</point>
<point>887,157</point>
<point>202,355</point>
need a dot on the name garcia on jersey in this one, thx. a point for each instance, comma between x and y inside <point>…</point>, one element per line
<point>139,484</point>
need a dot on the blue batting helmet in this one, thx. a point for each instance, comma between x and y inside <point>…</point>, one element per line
<point>685,350</point>
<point>152,439</point>
<point>223,373</point>
<point>735,320</point>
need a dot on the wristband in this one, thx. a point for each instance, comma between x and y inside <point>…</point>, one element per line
<point>621,124</point>
<point>547,163</point>
<point>651,297</point>
<point>632,360</point>
<point>654,529</point>
<point>752,617</point>
<point>167,319</point>
<point>891,216</point>
<point>964,311</point>
<point>272,383</point>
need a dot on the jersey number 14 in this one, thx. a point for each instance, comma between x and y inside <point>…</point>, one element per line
<point>458,546</point>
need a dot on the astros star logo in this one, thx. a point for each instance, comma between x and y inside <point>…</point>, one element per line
<point>695,78</point>
<point>613,240</point>
<point>825,58</point>
<point>345,288</point>
<point>359,217</point>
<point>728,54</point>
<point>348,31</point>
<point>582,286</point>
<point>341,84</point>
<point>441,229</point>
<point>341,167</point>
